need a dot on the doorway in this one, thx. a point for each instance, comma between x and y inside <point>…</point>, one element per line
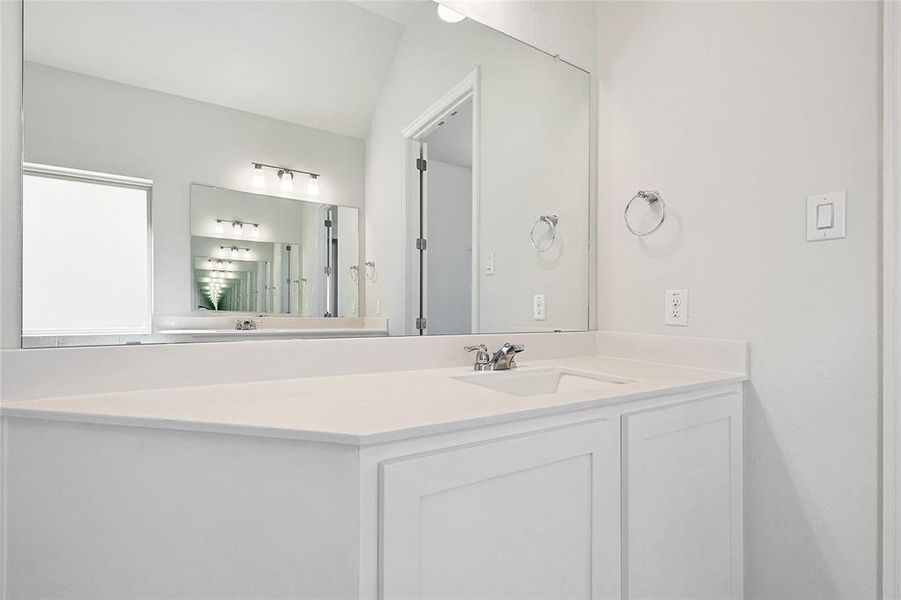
<point>442,215</point>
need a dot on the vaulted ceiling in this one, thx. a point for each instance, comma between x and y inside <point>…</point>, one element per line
<point>315,63</point>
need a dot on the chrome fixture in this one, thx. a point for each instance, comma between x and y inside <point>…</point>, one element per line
<point>651,197</point>
<point>551,222</point>
<point>483,360</point>
<point>285,177</point>
<point>502,359</point>
<point>235,251</point>
<point>238,227</point>
<point>245,325</point>
<point>370,270</point>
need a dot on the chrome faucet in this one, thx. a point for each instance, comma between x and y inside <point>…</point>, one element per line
<point>483,359</point>
<point>245,325</point>
<point>502,359</point>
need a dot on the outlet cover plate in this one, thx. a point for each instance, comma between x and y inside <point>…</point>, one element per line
<point>675,308</point>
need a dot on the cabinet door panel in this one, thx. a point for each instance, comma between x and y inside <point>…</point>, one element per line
<point>535,516</point>
<point>682,492</point>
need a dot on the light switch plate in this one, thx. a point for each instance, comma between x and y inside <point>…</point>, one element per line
<point>826,216</point>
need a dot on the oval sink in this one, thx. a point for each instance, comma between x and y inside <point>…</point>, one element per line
<point>527,382</point>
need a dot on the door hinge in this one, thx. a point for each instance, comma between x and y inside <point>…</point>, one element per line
<point>421,164</point>
<point>420,323</point>
<point>328,270</point>
<point>421,244</point>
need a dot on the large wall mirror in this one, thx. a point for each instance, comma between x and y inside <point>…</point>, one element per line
<point>201,171</point>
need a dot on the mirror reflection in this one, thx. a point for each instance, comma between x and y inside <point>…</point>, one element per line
<point>316,168</point>
<point>270,255</point>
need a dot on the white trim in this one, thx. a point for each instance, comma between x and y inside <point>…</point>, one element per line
<point>67,173</point>
<point>52,171</point>
<point>891,298</point>
<point>468,88</point>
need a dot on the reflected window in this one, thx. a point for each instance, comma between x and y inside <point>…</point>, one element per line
<point>87,253</point>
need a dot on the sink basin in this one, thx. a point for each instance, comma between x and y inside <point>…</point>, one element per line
<point>527,382</point>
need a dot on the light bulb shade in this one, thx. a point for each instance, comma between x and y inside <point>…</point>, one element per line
<point>313,185</point>
<point>237,228</point>
<point>255,231</point>
<point>287,180</point>
<point>258,180</point>
<point>449,15</point>
<point>218,226</point>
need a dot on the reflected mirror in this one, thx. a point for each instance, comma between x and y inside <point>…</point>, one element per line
<point>269,255</point>
<point>313,169</point>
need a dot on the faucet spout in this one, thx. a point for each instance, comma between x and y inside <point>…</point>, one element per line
<point>503,358</point>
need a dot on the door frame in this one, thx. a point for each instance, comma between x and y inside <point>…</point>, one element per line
<point>411,136</point>
<point>890,567</point>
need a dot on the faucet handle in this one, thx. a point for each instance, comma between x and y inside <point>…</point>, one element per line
<point>483,360</point>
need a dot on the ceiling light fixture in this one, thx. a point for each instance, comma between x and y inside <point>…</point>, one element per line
<point>449,15</point>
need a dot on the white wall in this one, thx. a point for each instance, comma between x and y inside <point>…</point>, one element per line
<point>528,99</point>
<point>563,27</point>
<point>735,112</point>
<point>449,256</point>
<point>10,175</point>
<point>87,123</point>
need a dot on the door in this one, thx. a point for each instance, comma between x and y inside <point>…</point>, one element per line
<point>533,516</point>
<point>682,475</point>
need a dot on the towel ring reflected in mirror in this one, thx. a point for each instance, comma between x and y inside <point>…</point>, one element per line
<point>651,197</point>
<point>551,221</point>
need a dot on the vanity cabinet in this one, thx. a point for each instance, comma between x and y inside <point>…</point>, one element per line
<point>534,516</point>
<point>682,499</point>
<point>646,504</point>
<point>633,499</point>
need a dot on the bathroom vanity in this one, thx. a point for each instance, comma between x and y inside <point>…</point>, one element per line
<point>601,477</point>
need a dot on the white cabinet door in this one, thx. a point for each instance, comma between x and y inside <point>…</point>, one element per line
<point>682,495</point>
<point>534,516</point>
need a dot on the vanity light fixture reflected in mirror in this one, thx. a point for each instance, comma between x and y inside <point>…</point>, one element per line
<point>259,179</point>
<point>285,178</point>
<point>313,185</point>
<point>238,228</point>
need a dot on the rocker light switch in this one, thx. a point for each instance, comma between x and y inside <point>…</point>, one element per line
<point>826,216</point>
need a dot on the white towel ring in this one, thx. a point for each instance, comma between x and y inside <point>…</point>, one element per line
<point>650,196</point>
<point>551,221</point>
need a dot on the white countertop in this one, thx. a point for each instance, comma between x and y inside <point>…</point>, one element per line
<point>364,409</point>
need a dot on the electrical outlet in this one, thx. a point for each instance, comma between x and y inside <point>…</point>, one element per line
<point>675,306</point>
<point>539,308</point>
